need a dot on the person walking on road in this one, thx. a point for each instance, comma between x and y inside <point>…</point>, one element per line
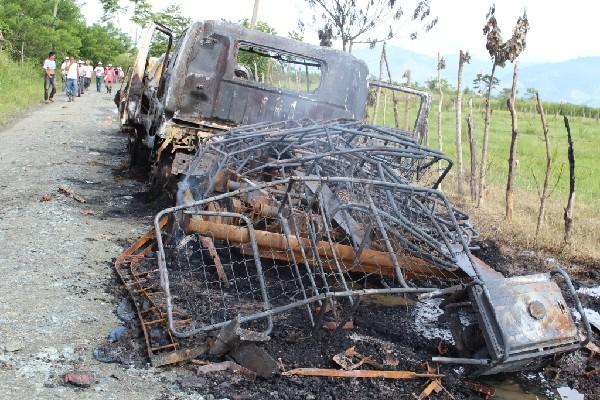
<point>72,76</point>
<point>49,74</point>
<point>88,74</point>
<point>121,74</point>
<point>99,71</point>
<point>81,80</point>
<point>63,73</point>
<point>109,78</point>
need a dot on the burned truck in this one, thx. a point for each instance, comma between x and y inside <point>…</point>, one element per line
<point>290,208</point>
<point>220,75</point>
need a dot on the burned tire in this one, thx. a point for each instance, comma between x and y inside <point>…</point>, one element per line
<point>162,182</point>
<point>139,154</point>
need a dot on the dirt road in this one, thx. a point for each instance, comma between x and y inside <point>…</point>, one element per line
<point>55,255</point>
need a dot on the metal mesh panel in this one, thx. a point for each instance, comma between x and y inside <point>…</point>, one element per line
<point>338,148</point>
<point>302,243</point>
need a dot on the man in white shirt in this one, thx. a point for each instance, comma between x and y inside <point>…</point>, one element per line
<point>72,76</point>
<point>63,73</point>
<point>88,73</point>
<point>99,71</point>
<point>49,69</point>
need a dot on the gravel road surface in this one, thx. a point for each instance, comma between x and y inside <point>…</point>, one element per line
<point>56,305</point>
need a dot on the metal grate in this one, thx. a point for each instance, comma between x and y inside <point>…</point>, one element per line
<point>309,243</point>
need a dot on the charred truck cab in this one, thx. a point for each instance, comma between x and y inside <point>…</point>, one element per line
<point>220,75</point>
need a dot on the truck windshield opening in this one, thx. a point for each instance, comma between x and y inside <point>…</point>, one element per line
<point>277,68</point>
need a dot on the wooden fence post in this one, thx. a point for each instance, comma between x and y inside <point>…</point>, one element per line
<point>544,195</point>
<point>512,158</point>
<point>568,215</point>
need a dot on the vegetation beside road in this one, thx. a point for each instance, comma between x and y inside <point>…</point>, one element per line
<point>21,86</point>
<point>531,155</point>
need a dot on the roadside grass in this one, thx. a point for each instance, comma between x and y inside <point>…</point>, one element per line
<point>520,233</point>
<point>20,87</point>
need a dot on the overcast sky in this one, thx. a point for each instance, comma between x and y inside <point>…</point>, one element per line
<point>560,30</point>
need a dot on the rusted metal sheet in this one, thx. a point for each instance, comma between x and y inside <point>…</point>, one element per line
<point>521,319</point>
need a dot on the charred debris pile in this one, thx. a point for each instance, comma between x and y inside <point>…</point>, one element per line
<point>300,224</point>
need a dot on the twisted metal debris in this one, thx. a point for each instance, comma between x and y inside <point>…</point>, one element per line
<point>308,216</point>
<point>303,213</point>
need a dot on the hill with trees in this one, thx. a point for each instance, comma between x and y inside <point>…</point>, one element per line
<point>572,81</point>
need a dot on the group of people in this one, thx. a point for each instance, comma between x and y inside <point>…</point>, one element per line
<point>77,76</point>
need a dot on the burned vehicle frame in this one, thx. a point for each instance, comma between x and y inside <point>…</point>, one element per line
<point>200,86</point>
<point>287,201</point>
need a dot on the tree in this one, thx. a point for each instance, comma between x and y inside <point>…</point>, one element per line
<point>481,83</point>
<point>463,57</point>
<point>545,193</point>
<point>500,52</point>
<point>103,43</point>
<point>505,93</point>
<point>171,17</point>
<point>364,21</point>
<point>296,35</point>
<point>530,93</point>
<point>408,75</point>
<point>472,151</point>
<point>434,84</point>
<point>30,25</point>
<point>38,26</point>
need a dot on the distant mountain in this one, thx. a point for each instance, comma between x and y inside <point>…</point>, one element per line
<point>574,81</point>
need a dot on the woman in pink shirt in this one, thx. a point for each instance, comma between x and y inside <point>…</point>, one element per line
<point>109,78</point>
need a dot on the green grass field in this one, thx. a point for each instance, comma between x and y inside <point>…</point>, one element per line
<point>20,87</point>
<point>531,161</point>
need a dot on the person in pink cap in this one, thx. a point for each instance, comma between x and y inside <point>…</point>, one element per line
<point>109,78</point>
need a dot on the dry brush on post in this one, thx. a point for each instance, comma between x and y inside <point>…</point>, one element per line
<point>501,52</point>
<point>462,59</point>
<point>512,157</point>
<point>568,215</point>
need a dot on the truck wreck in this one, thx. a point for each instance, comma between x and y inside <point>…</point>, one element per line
<point>287,203</point>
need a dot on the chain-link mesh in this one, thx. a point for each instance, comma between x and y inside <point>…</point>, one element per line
<point>258,251</point>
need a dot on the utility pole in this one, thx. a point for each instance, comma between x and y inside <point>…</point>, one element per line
<point>254,14</point>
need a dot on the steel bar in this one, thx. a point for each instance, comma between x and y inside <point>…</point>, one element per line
<point>370,260</point>
<point>358,373</point>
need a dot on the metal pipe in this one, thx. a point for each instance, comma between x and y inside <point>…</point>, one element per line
<point>371,260</point>
<point>469,361</point>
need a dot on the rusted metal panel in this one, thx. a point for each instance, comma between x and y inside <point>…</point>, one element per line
<point>532,312</point>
